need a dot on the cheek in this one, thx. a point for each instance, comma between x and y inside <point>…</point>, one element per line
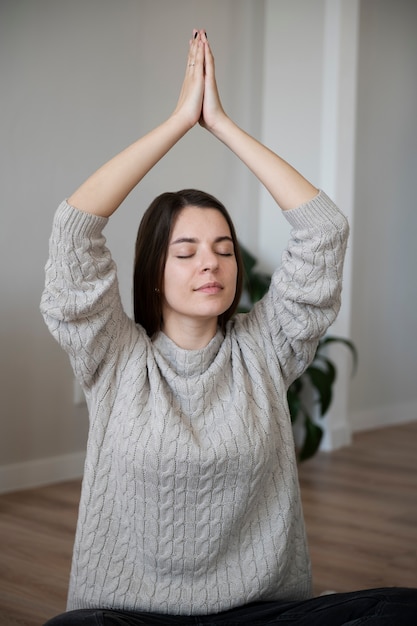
<point>175,276</point>
<point>234,274</point>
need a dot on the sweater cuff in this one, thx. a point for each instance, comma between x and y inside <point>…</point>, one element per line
<point>320,212</point>
<point>79,223</point>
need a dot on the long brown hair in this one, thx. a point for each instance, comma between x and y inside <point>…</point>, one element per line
<point>151,252</point>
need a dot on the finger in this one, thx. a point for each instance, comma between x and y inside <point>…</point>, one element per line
<point>208,58</point>
<point>196,52</point>
<point>192,46</point>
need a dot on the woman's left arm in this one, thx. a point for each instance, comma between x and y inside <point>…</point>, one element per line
<point>287,186</point>
<point>304,297</point>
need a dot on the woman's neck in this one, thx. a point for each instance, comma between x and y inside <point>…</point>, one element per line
<point>190,334</point>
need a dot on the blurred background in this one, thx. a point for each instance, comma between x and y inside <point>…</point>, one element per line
<point>331,85</point>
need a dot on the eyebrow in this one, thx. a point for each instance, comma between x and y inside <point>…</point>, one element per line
<point>194,240</point>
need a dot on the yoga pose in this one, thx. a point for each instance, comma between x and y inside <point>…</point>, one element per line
<point>190,509</point>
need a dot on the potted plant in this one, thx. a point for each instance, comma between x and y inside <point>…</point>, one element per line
<point>312,392</point>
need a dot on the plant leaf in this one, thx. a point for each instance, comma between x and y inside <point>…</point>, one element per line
<point>312,439</point>
<point>322,382</point>
<point>258,285</point>
<point>293,398</point>
<point>327,366</point>
<point>347,342</point>
<point>248,259</point>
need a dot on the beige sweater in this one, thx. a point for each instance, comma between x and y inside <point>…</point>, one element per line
<point>190,501</point>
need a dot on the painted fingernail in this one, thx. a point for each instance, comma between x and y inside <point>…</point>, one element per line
<point>195,36</point>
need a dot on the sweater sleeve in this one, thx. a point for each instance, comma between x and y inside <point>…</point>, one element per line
<point>81,303</point>
<point>305,292</point>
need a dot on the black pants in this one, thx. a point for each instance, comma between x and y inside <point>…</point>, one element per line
<point>373,607</point>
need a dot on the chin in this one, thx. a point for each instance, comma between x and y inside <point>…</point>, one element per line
<point>209,315</point>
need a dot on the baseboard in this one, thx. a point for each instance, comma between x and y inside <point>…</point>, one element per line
<point>41,472</point>
<point>338,437</point>
<point>370,419</point>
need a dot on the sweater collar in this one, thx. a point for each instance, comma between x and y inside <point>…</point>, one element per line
<point>187,362</point>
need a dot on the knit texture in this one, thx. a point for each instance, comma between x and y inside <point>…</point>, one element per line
<point>190,501</point>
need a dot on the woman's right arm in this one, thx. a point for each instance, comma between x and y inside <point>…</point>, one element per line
<point>81,303</point>
<point>104,191</point>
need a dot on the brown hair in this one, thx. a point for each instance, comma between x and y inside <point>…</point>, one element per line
<point>151,251</point>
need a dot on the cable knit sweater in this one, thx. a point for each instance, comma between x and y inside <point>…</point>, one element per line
<point>190,501</point>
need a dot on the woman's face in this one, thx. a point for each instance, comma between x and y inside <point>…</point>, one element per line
<point>201,270</point>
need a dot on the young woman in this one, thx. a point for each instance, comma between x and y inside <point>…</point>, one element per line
<point>190,510</point>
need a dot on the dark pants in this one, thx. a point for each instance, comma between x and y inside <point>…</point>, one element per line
<point>373,607</point>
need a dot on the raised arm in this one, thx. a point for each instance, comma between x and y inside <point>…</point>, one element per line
<point>288,188</point>
<point>105,190</point>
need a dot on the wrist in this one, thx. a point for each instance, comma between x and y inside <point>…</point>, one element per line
<point>182,121</point>
<point>222,127</point>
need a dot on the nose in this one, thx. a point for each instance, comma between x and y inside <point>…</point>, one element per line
<point>210,262</point>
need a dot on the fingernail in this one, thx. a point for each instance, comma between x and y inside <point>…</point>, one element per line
<point>205,34</point>
<point>195,36</point>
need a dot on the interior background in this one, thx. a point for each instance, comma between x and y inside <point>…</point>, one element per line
<point>331,85</point>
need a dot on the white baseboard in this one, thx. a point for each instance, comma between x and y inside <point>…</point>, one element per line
<point>370,419</point>
<point>41,472</point>
<point>339,437</point>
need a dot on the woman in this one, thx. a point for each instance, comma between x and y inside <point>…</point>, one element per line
<point>190,510</point>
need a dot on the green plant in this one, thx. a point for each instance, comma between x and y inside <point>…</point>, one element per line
<point>315,386</point>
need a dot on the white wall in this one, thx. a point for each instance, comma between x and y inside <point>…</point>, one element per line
<point>309,117</point>
<point>82,79</point>
<point>79,81</point>
<point>309,86</point>
<point>292,101</point>
<point>384,239</point>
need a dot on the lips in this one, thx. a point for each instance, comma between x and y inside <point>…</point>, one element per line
<point>212,287</point>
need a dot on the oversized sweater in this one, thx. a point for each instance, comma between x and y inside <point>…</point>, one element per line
<point>190,501</point>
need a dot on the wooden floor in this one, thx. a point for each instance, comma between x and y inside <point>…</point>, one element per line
<point>360,505</point>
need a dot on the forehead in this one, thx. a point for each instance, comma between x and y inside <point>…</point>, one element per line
<point>194,221</point>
